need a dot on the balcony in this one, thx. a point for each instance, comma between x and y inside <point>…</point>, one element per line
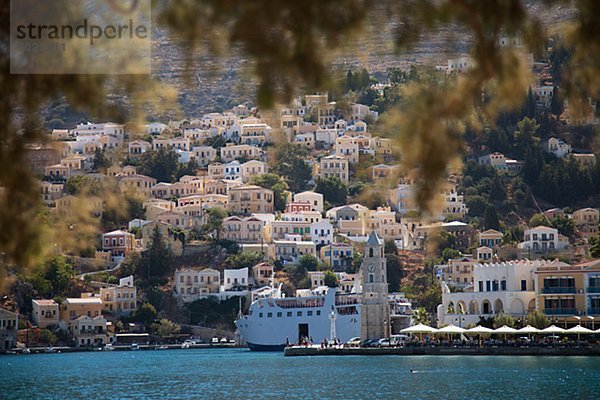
<point>593,289</point>
<point>560,311</point>
<point>559,289</point>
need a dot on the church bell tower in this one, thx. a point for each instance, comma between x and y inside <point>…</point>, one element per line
<point>375,315</point>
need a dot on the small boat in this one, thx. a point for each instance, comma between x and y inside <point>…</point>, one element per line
<point>26,351</point>
<point>163,347</point>
<point>135,346</point>
<point>108,347</point>
<point>185,345</point>
<point>50,350</point>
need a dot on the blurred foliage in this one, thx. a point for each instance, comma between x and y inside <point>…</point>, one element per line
<point>289,46</point>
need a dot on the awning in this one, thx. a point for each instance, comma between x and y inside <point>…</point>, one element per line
<point>552,329</point>
<point>478,330</point>
<point>528,330</point>
<point>451,329</point>
<point>505,330</point>
<point>420,328</point>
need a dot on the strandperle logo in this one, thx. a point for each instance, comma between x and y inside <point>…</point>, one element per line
<point>80,37</point>
<point>82,31</point>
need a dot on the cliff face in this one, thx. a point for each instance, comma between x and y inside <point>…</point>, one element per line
<point>214,83</point>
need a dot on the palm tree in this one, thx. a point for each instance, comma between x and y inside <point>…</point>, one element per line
<point>421,316</point>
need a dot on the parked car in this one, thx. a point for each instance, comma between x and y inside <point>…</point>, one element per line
<point>384,342</point>
<point>354,342</point>
<point>214,340</point>
<point>398,340</point>
<point>369,343</point>
<point>224,340</point>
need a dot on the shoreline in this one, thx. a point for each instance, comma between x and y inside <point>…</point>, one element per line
<point>443,351</point>
<point>125,347</point>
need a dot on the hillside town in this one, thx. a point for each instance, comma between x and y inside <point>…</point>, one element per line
<point>182,224</point>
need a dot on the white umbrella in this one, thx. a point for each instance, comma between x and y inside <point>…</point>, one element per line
<point>553,329</point>
<point>451,329</point>
<point>420,328</point>
<point>478,330</point>
<point>579,330</point>
<point>506,330</point>
<point>528,330</point>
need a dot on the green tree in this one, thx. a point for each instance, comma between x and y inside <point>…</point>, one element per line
<point>539,220</point>
<point>330,279</point>
<point>308,262</point>
<point>503,319</point>
<point>157,260</point>
<point>188,168</point>
<point>167,328</point>
<point>530,104</point>
<point>497,190</point>
<point>214,222</point>
<point>421,316</point>
<point>395,271</point>
<point>557,102</point>
<point>275,183</point>
<point>145,314</point>
<point>564,225</point>
<point>538,319</point>
<point>448,254</point>
<point>390,247</point>
<point>526,136</point>
<point>101,162</point>
<point>595,247</point>
<point>333,190</point>
<point>161,164</point>
<point>59,274</point>
<point>477,205</point>
<point>289,162</point>
<point>82,184</point>
<point>48,337</point>
<point>244,260</point>
<point>490,219</point>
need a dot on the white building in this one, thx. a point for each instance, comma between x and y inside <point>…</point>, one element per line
<point>192,285</point>
<point>507,287</point>
<point>233,170</point>
<point>543,239</point>
<point>557,147</point>
<point>321,232</point>
<point>313,198</point>
<point>235,278</point>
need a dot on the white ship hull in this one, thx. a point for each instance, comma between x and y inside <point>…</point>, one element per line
<point>273,323</point>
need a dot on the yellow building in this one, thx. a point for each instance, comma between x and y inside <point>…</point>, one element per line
<point>44,312</point>
<point>73,308</point>
<point>564,291</point>
<point>120,299</point>
<point>250,199</point>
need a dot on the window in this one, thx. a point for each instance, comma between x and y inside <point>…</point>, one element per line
<point>299,314</point>
<point>503,285</point>
<point>279,315</point>
<point>309,313</point>
<point>523,284</point>
<point>289,314</point>
<point>480,286</point>
<point>270,315</point>
<point>260,315</point>
<point>318,312</point>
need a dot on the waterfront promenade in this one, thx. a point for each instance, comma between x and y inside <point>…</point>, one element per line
<point>297,351</point>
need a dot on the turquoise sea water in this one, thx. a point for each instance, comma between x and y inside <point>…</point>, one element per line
<point>241,374</point>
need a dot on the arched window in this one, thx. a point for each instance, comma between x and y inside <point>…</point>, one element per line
<point>370,252</point>
<point>371,278</point>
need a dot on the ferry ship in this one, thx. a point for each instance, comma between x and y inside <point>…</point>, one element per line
<point>275,321</point>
